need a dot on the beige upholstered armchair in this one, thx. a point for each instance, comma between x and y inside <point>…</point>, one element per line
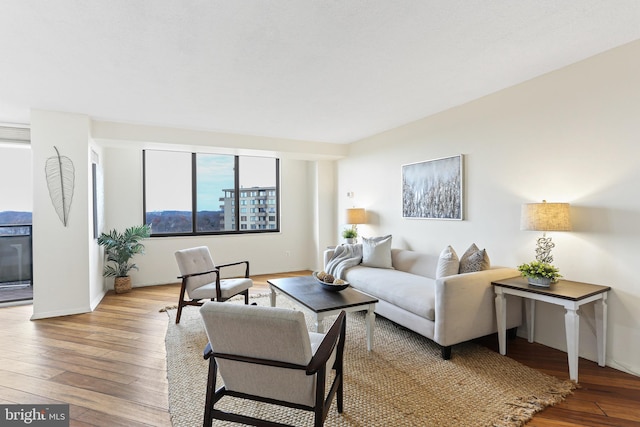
<point>201,279</point>
<point>267,354</point>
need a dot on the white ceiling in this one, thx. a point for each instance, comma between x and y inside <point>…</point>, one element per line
<point>320,70</point>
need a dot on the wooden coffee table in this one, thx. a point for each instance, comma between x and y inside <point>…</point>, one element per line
<point>308,292</point>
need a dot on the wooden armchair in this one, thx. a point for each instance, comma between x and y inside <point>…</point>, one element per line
<point>267,354</point>
<point>201,279</point>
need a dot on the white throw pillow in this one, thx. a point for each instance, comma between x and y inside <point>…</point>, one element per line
<point>448,263</point>
<point>376,252</point>
<point>474,259</point>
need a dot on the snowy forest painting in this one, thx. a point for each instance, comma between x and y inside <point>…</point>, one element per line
<point>433,189</point>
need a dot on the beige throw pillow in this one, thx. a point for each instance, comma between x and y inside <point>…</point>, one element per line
<point>474,259</point>
<point>448,263</point>
<point>376,252</point>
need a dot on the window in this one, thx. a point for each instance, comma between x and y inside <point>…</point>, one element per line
<point>198,193</point>
<point>16,191</point>
<point>215,192</point>
<point>16,203</point>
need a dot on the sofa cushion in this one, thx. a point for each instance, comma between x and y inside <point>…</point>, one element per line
<point>448,263</point>
<point>414,262</point>
<point>474,259</point>
<point>410,292</point>
<point>376,252</point>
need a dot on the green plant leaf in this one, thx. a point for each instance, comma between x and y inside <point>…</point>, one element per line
<point>539,269</point>
<point>121,247</point>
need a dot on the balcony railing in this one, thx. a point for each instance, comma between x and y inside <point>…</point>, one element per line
<point>16,265</point>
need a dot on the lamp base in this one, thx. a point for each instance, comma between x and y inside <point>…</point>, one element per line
<point>543,249</point>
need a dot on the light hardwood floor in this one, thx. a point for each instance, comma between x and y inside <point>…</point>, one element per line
<point>110,366</point>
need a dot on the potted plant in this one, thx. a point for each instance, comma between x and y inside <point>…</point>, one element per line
<point>350,235</point>
<point>540,273</point>
<point>119,248</point>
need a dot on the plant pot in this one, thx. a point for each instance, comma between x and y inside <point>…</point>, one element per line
<point>351,240</point>
<point>122,284</point>
<point>543,282</point>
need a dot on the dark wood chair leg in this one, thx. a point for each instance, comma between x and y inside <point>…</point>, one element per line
<point>446,352</point>
<point>317,420</point>
<point>340,395</point>
<point>211,388</point>
<point>319,410</point>
<point>512,333</point>
<point>183,288</point>
<point>179,313</point>
<point>318,417</point>
<point>339,367</point>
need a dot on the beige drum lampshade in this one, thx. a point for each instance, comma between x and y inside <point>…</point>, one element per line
<point>545,217</point>
<point>355,216</point>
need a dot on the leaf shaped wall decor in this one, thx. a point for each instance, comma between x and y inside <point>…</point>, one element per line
<point>60,180</point>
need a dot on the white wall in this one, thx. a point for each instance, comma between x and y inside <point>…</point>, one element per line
<point>569,136</point>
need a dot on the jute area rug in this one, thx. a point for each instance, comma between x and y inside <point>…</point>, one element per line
<point>402,382</point>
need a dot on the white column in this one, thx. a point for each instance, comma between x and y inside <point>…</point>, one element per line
<point>324,209</point>
<point>61,260</point>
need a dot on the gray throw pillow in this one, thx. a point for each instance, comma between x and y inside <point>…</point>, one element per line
<point>474,259</point>
<point>376,252</point>
<point>448,263</point>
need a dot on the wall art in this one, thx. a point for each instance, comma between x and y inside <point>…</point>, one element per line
<point>60,180</point>
<point>433,189</point>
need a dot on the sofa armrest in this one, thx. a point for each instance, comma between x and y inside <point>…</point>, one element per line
<point>328,254</point>
<point>465,308</point>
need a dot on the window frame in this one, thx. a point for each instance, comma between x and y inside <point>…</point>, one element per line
<point>236,196</point>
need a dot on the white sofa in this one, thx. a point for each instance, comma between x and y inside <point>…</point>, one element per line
<point>448,310</point>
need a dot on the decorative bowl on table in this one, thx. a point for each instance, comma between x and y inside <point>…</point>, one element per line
<point>330,283</point>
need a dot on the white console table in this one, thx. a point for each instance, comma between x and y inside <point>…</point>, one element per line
<point>570,295</point>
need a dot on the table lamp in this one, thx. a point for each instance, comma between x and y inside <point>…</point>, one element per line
<point>355,216</point>
<point>545,217</point>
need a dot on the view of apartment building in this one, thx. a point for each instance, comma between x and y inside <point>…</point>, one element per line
<point>258,209</point>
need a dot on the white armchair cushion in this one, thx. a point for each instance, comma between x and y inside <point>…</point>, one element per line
<point>228,289</point>
<point>196,260</point>
<point>268,333</point>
